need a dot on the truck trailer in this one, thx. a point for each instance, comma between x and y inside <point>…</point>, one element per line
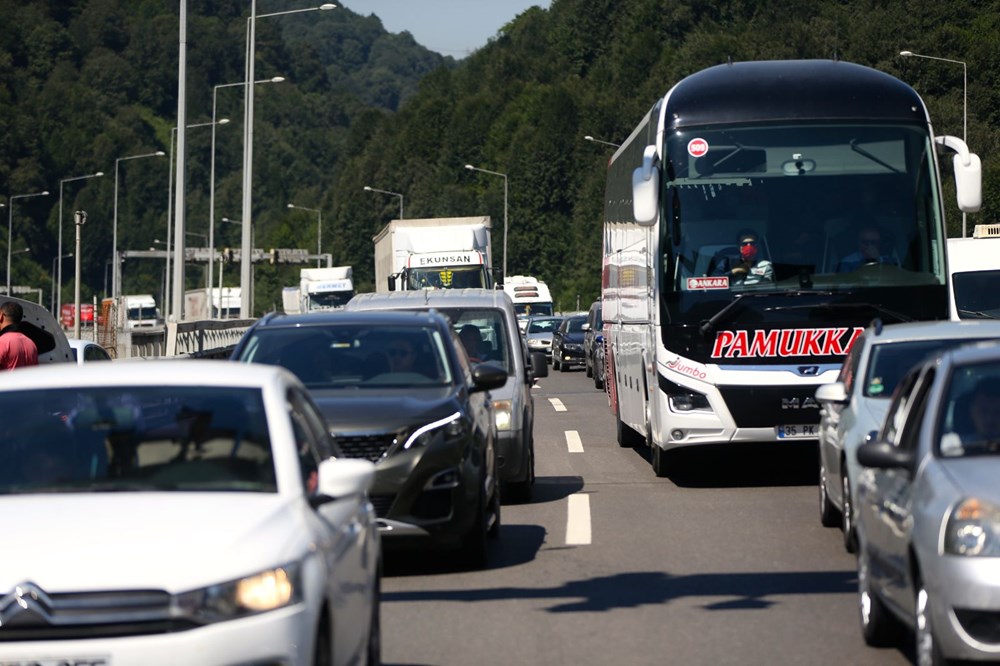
<point>434,253</point>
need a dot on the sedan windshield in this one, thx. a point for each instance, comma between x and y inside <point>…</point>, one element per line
<point>890,361</point>
<point>135,439</point>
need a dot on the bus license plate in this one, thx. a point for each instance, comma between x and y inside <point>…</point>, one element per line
<point>794,431</point>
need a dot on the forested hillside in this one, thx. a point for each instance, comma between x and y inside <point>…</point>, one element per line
<point>87,82</point>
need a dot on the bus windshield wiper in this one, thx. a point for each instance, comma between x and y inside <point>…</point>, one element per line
<point>843,306</point>
<point>708,326</point>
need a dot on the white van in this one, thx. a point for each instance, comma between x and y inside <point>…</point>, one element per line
<point>974,267</point>
<point>492,313</point>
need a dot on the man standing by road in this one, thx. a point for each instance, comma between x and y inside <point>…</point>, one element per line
<point>16,349</point>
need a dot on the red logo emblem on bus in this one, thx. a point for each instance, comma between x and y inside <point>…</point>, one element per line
<point>697,147</point>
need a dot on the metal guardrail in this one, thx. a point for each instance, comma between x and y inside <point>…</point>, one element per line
<point>208,338</point>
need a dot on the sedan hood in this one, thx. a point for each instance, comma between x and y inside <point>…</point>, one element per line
<point>383,410</point>
<point>974,476</point>
<point>149,540</point>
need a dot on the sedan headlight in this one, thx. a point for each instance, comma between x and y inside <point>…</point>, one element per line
<point>973,529</point>
<point>502,414</point>
<point>258,593</point>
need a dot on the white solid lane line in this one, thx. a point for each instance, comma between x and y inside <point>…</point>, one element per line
<point>578,520</point>
<point>573,442</point>
<point>557,404</point>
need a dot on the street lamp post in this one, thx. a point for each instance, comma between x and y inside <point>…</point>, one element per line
<point>167,306</point>
<point>319,230</point>
<point>965,101</point>
<point>55,299</point>
<point>57,294</point>
<point>211,187</point>
<point>606,143</point>
<point>504,176</point>
<point>395,194</point>
<point>246,239</point>
<point>114,225</point>
<point>10,226</point>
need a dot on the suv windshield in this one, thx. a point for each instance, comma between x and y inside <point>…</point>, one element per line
<point>353,355</point>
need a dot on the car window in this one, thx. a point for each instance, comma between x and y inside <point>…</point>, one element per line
<point>897,410</point>
<point>909,437</point>
<point>969,416</point>
<point>493,331</point>
<point>137,439</point>
<point>542,325</point>
<point>575,324</point>
<point>888,362</point>
<point>849,369</point>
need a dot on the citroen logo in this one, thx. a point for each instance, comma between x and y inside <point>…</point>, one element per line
<point>27,604</point>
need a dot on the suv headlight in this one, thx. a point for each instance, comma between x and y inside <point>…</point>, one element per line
<point>452,426</point>
<point>259,593</point>
<point>502,414</point>
<point>973,529</point>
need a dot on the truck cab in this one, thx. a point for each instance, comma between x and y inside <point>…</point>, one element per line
<point>975,274</point>
<point>140,311</point>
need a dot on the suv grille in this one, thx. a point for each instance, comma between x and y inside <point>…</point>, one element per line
<point>368,447</point>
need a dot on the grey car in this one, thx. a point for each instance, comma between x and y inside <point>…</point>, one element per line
<point>855,404</point>
<point>929,511</point>
<point>538,334</point>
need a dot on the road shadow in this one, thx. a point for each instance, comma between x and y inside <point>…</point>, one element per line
<point>742,465</point>
<point>515,545</point>
<point>551,489</point>
<point>726,591</point>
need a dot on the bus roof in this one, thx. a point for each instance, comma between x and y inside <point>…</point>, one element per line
<point>776,90</point>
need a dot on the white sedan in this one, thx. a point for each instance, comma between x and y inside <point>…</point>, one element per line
<point>190,513</point>
<point>85,351</point>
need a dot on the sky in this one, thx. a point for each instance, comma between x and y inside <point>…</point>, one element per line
<point>453,28</point>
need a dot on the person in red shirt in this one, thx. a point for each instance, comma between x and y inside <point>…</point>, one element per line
<point>16,349</point>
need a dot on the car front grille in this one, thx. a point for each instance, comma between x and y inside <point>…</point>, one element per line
<point>766,406</point>
<point>367,447</point>
<point>29,613</point>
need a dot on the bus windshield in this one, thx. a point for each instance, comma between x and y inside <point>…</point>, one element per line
<point>836,207</point>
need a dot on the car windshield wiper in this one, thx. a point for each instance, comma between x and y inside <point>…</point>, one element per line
<point>977,313</point>
<point>898,316</point>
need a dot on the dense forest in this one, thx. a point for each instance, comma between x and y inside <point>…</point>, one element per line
<point>87,82</point>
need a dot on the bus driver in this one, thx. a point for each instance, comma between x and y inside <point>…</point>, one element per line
<point>748,269</point>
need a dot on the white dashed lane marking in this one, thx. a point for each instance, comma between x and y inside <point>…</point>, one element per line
<point>578,520</point>
<point>573,442</point>
<point>557,404</point>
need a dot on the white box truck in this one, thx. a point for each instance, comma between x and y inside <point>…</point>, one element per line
<point>974,269</point>
<point>225,304</point>
<point>319,289</point>
<point>434,253</point>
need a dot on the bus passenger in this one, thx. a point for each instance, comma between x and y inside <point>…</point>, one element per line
<point>869,251</point>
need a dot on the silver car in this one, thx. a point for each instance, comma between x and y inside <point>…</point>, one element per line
<point>855,404</point>
<point>538,334</point>
<point>928,509</point>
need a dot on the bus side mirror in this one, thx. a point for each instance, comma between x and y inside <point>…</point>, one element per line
<point>968,174</point>
<point>646,189</point>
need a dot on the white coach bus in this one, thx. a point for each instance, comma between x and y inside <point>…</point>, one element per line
<point>758,217</point>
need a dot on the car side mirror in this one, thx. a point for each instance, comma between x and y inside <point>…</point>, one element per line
<point>487,376</point>
<point>585,327</point>
<point>342,477</point>
<point>883,455</point>
<point>834,392</point>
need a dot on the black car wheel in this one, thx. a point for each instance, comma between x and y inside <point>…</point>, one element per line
<point>878,627</point>
<point>473,551</point>
<point>588,366</point>
<point>847,515</point>
<point>323,648</point>
<point>827,511</point>
<point>373,653</point>
<point>520,491</point>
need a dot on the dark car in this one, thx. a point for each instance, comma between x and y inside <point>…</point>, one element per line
<point>395,389</point>
<point>567,343</point>
<point>593,337</point>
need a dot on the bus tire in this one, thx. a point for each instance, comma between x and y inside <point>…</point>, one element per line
<point>627,438</point>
